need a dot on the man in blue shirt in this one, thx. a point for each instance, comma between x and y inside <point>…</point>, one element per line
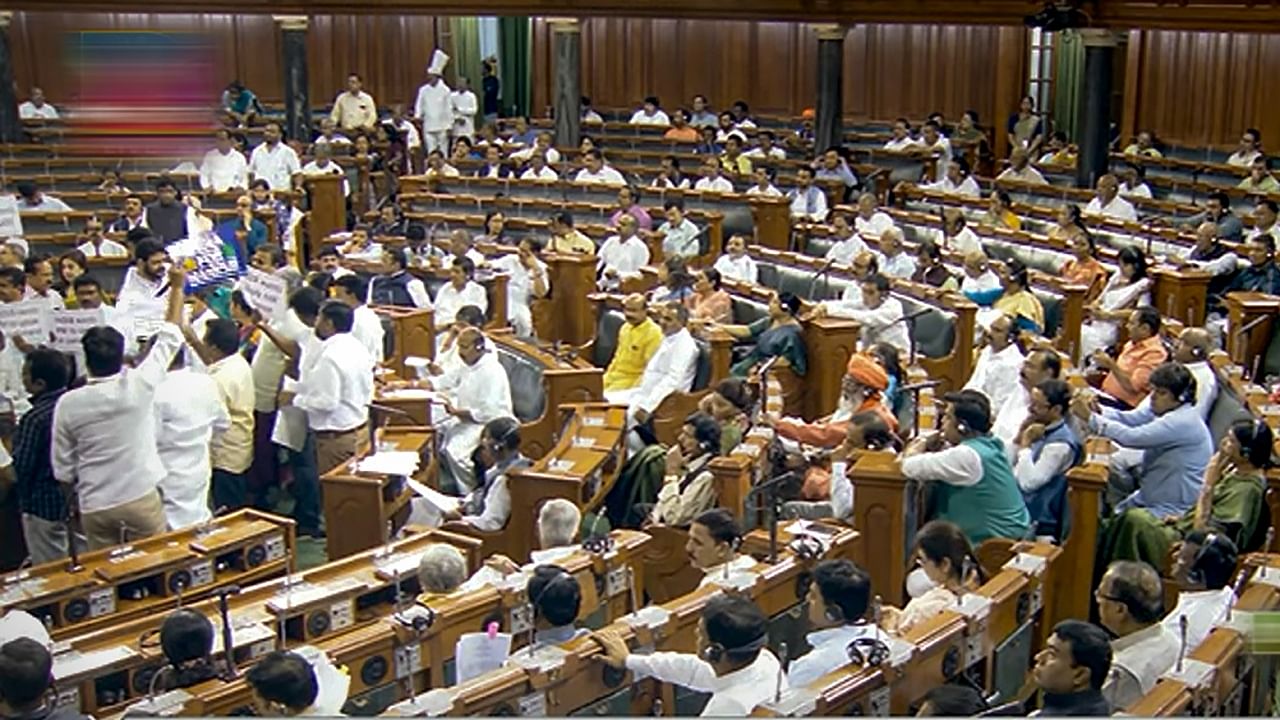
<point>1175,443</point>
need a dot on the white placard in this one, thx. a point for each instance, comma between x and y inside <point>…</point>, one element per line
<point>71,325</point>
<point>266,292</point>
<point>27,318</point>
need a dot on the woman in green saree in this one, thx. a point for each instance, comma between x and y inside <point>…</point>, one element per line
<point>778,335</point>
<point>1230,503</point>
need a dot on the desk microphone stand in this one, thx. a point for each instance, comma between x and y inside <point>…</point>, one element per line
<point>773,502</point>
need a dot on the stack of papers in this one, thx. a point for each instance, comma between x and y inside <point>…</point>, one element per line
<point>390,462</point>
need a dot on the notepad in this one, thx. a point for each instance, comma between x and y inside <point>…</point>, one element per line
<point>411,394</point>
<point>243,635</point>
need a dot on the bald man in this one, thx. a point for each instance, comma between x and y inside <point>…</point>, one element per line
<point>980,284</point>
<point>638,339</point>
<point>1108,202</point>
<point>481,393</point>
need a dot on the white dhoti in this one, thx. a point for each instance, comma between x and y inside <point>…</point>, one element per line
<point>459,441</point>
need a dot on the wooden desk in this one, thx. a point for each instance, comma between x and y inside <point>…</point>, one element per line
<point>1181,294</point>
<point>361,508</point>
<point>389,661</point>
<point>578,685</point>
<point>115,664</point>
<point>772,220</point>
<point>1248,348</point>
<point>573,278</point>
<point>414,332</point>
<point>116,584</point>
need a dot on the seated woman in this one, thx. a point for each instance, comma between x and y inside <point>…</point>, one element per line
<point>1083,268</point>
<point>675,281</point>
<point>944,555</point>
<point>709,303</point>
<point>1230,502</point>
<point>777,335</point>
<point>890,359</point>
<point>1017,301</point>
<point>732,403</point>
<point>1126,289</point>
<point>1000,212</point>
<point>688,488</point>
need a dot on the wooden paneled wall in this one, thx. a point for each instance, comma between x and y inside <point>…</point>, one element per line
<point>1203,88</point>
<point>390,52</point>
<point>890,70</point>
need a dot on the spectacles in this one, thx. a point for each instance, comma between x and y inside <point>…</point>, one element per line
<point>1099,595</point>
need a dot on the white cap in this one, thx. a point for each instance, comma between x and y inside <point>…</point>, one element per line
<point>20,243</point>
<point>438,61</point>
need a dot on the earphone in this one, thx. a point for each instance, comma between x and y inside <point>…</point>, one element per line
<point>714,652</point>
<point>962,426</point>
<point>867,651</point>
<point>497,444</point>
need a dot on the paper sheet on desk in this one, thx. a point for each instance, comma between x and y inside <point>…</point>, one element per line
<point>435,498</point>
<point>409,393</point>
<point>76,663</point>
<point>477,654</point>
<point>242,636</point>
<point>390,462</point>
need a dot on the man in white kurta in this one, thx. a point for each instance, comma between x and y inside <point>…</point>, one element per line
<point>188,412</point>
<point>998,363</point>
<point>461,290</point>
<point>621,256</point>
<point>434,107</point>
<point>464,104</point>
<point>481,393</point>
<point>527,279</point>
<point>671,369</point>
<point>880,315</point>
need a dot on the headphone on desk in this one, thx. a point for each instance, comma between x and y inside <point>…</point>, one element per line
<point>714,652</point>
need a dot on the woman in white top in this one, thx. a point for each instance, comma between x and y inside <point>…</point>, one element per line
<point>1127,288</point>
<point>528,282</point>
<point>944,554</point>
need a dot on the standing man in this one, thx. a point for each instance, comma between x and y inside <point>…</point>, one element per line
<point>232,451</point>
<point>188,412</point>
<point>464,105</point>
<point>39,269</point>
<point>140,295</point>
<point>104,440</point>
<point>223,167</point>
<point>352,290</point>
<point>354,109</point>
<point>274,161</point>
<point>336,387</point>
<point>434,106</point>
<point>45,375</point>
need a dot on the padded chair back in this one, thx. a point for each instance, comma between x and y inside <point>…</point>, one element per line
<point>1227,408</point>
<point>608,323</point>
<point>935,331</point>
<point>818,246</point>
<point>388,336</point>
<point>767,274</point>
<point>433,284</point>
<point>528,396</point>
<point>747,311</point>
<point>702,370</point>
<point>1052,304</point>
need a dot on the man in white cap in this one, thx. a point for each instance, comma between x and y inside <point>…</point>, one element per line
<point>434,106</point>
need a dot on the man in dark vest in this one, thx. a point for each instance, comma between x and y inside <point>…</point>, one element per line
<point>398,287</point>
<point>1047,447</point>
<point>975,485</point>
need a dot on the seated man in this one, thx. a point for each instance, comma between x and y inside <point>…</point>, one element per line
<point>1047,448</point>
<point>679,234</point>
<point>556,599</point>
<point>733,662</point>
<point>621,256</point>
<point>880,316</point>
<point>397,287</point>
<point>861,389</point>
<point>26,683</point>
<point>1262,275</point>
<point>441,569</point>
<point>479,391</point>
<point>558,522</point>
<point>846,243</point>
<point>808,201</point>
<point>670,369</point>
<point>870,220</point>
<point>980,284</point>
<point>735,264</point>
<point>638,339</point>
<point>864,266</point>
<point>977,490</point>
<point>1128,376</point>
<point>301,683</point>
<point>1175,442</point>
<point>461,290</point>
<point>566,239</point>
<point>998,361</point>
<point>839,597</point>
<point>1130,604</point>
<point>488,506</point>
<point>895,261</point>
<point>1204,568</point>
<point>712,546</point>
<point>186,637</point>
<point>1071,670</point>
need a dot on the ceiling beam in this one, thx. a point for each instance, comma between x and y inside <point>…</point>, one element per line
<point>1221,15</point>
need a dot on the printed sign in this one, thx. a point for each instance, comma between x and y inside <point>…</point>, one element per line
<point>28,319</point>
<point>71,325</point>
<point>265,292</point>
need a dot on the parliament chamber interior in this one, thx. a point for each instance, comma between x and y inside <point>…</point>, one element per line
<point>611,359</point>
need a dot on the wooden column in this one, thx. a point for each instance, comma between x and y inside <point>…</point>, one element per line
<point>1068,339</point>
<point>1010,81</point>
<point>1072,584</point>
<point>10,124</point>
<point>733,482</point>
<point>829,342</point>
<point>297,105</point>
<point>573,277</point>
<point>880,512</point>
<point>1095,127</point>
<point>829,108</point>
<point>566,45</point>
<point>772,222</point>
<point>327,211</point>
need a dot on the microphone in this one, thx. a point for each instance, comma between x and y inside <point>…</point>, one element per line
<point>73,561</point>
<point>822,270</point>
<point>782,671</point>
<point>1182,634</point>
<point>224,611</point>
